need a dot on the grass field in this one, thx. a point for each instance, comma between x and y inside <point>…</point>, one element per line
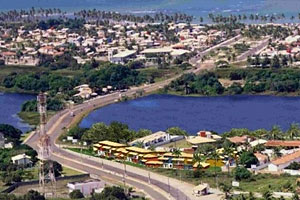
<point>160,74</point>
<point>33,118</point>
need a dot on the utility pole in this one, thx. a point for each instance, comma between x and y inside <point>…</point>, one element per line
<point>44,146</point>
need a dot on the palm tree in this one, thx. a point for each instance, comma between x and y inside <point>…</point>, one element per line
<point>293,131</point>
<point>275,133</point>
<point>177,153</point>
<point>226,188</point>
<point>229,152</point>
<point>199,158</point>
<point>214,156</point>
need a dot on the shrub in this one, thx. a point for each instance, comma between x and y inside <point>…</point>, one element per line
<point>76,194</point>
<point>241,173</point>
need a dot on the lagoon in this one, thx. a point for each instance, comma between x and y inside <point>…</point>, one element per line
<point>10,106</point>
<point>220,114</point>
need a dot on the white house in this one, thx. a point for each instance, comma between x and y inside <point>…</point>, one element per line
<point>284,161</point>
<point>21,159</point>
<point>122,57</point>
<point>156,139</point>
<point>86,187</point>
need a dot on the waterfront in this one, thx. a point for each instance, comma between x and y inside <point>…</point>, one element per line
<point>159,112</point>
<point>192,7</point>
<point>10,106</point>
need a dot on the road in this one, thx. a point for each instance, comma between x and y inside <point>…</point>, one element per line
<point>253,50</point>
<point>160,187</point>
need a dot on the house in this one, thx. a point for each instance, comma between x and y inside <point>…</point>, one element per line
<point>122,57</point>
<point>84,91</point>
<point>136,154</point>
<point>202,189</point>
<point>108,148</point>
<point>22,159</point>
<point>197,140</point>
<point>2,140</point>
<point>86,187</point>
<point>284,161</point>
<point>238,140</point>
<point>209,134</point>
<point>281,143</point>
<point>262,159</point>
<point>156,139</point>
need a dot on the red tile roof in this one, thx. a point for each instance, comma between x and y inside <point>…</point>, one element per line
<point>287,158</point>
<point>238,139</point>
<point>261,157</point>
<point>277,143</point>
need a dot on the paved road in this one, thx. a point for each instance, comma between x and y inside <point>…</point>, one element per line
<point>159,188</point>
<point>253,50</point>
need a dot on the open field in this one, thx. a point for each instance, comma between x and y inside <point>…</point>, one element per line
<point>33,118</point>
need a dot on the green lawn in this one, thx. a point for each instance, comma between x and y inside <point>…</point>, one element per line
<point>160,74</point>
<point>33,118</point>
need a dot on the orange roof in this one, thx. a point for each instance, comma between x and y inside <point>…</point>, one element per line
<point>287,158</point>
<point>260,156</point>
<point>238,139</point>
<point>277,143</point>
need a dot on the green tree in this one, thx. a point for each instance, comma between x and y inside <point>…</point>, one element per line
<point>76,194</point>
<point>247,158</point>
<point>241,173</point>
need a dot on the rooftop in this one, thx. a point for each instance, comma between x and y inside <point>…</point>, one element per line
<point>286,158</point>
<point>112,144</point>
<point>278,143</point>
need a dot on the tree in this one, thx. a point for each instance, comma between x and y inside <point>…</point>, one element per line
<point>295,197</point>
<point>176,131</point>
<point>76,194</point>
<point>248,158</point>
<point>293,131</point>
<point>241,173</point>
<point>111,193</point>
<point>33,195</point>
<point>11,133</point>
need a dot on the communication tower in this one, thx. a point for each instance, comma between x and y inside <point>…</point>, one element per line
<point>46,170</point>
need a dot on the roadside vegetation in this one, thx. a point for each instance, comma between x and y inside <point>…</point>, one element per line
<point>242,81</point>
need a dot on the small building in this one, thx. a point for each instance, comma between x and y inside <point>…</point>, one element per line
<point>202,189</point>
<point>136,154</point>
<point>284,161</point>
<point>155,139</point>
<point>123,57</point>
<point>2,140</point>
<point>263,159</point>
<point>281,143</point>
<point>198,140</point>
<point>108,148</point>
<point>22,159</point>
<point>86,187</point>
<point>84,91</point>
<point>239,140</point>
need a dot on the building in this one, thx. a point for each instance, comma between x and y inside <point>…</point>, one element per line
<point>284,161</point>
<point>122,57</point>
<point>22,159</point>
<point>108,148</point>
<point>156,139</point>
<point>202,189</point>
<point>198,140</point>
<point>262,159</point>
<point>281,143</point>
<point>239,140</point>
<point>209,134</point>
<point>2,140</point>
<point>86,187</point>
<point>84,91</point>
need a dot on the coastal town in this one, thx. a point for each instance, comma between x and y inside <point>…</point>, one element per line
<point>92,60</point>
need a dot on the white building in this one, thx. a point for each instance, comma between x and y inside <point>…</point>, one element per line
<point>156,139</point>
<point>122,57</point>
<point>21,159</point>
<point>87,187</point>
<point>284,161</point>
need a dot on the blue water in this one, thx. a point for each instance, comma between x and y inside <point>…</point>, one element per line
<point>10,105</point>
<point>220,114</point>
<point>192,7</point>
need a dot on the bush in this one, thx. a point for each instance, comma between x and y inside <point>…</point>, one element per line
<point>76,194</point>
<point>241,173</point>
<point>248,159</point>
<point>294,166</point>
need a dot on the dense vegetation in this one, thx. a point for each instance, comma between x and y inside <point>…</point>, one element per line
<point>61,88</point>
<point>10,172</point>
<point>255,82</point>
